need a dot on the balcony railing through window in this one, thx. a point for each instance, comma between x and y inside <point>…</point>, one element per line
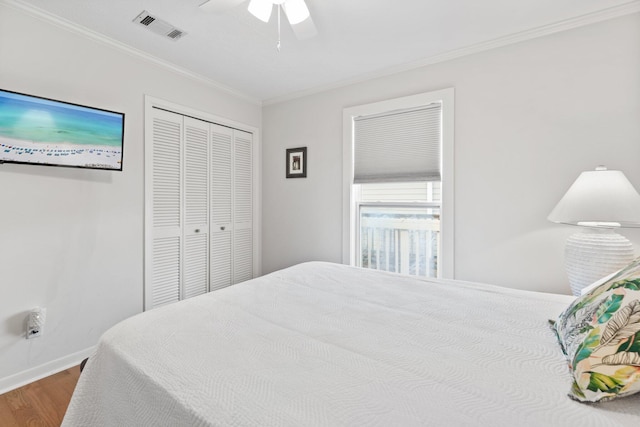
<point>400,238</point>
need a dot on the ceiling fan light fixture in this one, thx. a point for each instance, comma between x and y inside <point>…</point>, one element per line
<point>261,9</point>
<point>296,11</point>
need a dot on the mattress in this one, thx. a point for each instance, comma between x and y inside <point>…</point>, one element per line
<point>321,344</point>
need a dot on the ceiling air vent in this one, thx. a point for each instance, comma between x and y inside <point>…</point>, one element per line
<point>158,26</point>
<point>175,34</point>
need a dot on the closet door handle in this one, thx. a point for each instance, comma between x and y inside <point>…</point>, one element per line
<point>197,230</point>
<point>223,228</point>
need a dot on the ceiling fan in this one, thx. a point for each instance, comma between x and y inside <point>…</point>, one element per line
<point>296,11</point>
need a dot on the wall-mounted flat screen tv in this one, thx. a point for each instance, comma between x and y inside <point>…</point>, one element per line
<point>43,131</point>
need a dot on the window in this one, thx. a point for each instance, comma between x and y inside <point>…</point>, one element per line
<point>398,185</point>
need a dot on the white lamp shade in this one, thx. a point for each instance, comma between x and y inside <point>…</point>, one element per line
<point>296,11</point>
<point>601,198</point>
<point>261,9</point>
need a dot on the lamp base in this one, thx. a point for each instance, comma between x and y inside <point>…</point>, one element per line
<point>594,253</point>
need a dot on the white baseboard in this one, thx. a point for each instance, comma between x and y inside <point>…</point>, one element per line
<point>38,372</point>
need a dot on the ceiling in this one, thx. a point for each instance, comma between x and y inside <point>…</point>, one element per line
<point>356,39</point>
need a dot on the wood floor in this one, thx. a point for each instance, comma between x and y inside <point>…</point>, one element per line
<point>42,403</point>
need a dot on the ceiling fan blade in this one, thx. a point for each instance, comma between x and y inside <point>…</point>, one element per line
<point>218,6</point>
<point>261,9</point>
<point>305,29</point>
<point>296,11</point>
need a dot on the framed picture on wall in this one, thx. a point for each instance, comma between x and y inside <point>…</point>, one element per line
<point>297,162</point>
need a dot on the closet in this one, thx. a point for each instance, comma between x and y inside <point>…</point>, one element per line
<point>199,213</point>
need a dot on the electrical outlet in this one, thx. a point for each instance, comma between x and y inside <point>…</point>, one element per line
<point>35,322</point>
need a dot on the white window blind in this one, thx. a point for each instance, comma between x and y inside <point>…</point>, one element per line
<point>401,145</point>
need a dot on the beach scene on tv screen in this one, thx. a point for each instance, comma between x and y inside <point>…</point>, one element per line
<point>37,130</point>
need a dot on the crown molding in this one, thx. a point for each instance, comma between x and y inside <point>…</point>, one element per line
<point>580,21</point>
<point>591,18</point>
<point>101,38</point>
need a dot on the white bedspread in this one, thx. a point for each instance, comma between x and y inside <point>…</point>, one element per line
<point>322,344</point>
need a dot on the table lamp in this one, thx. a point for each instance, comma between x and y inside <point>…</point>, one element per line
<point>599,201</point>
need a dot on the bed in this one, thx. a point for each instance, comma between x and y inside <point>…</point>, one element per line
<point>321,344</point>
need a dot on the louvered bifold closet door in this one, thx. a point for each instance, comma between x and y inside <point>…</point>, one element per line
<point>164,259</point>
<point>221,206</point>
<point>243,207</point>
<point>195,280</point>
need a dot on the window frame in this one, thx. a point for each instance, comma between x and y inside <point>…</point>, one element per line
<point>350,205</point>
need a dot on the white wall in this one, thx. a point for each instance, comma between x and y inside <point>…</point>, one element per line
<point>71,240</point>
<point>529,118</point>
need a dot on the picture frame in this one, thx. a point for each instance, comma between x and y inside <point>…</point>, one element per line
<point>296,162</point>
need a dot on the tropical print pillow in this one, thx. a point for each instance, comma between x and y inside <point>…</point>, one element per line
<point>600,335</point>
